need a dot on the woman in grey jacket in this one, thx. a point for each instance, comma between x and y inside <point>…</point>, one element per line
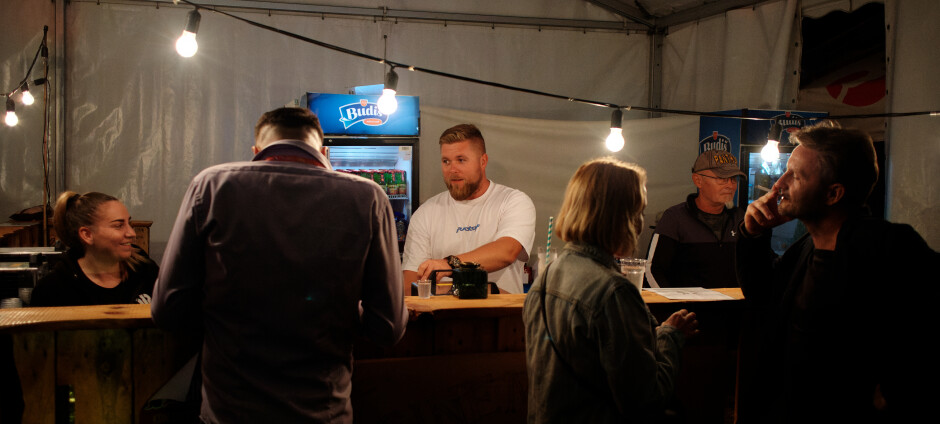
<point>594,352</point>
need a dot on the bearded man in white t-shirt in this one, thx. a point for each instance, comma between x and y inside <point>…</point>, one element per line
<point>476,220</point>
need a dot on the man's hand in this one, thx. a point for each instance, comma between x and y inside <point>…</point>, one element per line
<point>762,213</point>
<point>684,321</point>
<point>424,270</point>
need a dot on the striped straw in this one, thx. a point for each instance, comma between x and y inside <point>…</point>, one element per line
<point>548,245</point>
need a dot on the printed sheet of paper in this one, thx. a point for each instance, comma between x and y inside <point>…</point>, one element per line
<point>690,293</point>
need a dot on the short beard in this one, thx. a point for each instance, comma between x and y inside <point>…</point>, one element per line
<point>810,209</point>
<point>463,192</point>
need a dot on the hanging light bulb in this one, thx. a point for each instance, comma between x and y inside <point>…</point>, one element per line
<point>388,104</point>
<point>11,118</point>
<point>26,97</point>
<point>186,45</point>
<point>615,139</point>
<point>771,152</point>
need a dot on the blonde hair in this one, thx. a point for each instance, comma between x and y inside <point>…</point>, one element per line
<point>604,205</point>
<point>74,211</point>
<point>463,132</point>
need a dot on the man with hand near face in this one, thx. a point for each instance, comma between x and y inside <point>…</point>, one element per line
<point>697,237</point>
<point>834,337</point>
<point>475,220</point>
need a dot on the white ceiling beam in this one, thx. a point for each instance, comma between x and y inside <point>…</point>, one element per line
<point>386,13</point>
<point>704,11</point>
<point>632,13</point>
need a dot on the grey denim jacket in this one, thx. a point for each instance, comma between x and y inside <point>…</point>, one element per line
<point>611,362</point>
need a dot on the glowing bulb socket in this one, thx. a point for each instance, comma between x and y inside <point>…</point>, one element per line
<point>388,104</point>
<point>27,98</point>
<point>11,118</point>
<point>186,45</point>
<point>615,140</point>
<point>770,152</point>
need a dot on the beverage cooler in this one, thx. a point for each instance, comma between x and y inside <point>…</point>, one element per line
<point>365,142</point>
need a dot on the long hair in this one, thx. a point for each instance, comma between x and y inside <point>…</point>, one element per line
<point>73,211</point>
<point>604,205</point>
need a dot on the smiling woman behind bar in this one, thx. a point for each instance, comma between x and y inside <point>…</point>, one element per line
<point>594,353</point>
<point>101,266</point>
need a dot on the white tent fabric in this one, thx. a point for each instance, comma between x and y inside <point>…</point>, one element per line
<point>913,143</point>
<point>142,121</point>
<point>733,61</point>
<point>539,156</point>
<point>139,121</point>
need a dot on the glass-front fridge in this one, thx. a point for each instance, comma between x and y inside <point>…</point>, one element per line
<point>382,147</point>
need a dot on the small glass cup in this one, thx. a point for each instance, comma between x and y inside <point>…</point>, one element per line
<point>633,269</point>
<point>424,289</point>
<point>540,262</point>
<point>26,294</point>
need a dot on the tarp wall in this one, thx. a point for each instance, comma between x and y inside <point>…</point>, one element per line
<point>140,121</point>
<point>913,143</point>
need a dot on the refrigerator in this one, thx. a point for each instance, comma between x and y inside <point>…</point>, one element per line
<point>363,141</point>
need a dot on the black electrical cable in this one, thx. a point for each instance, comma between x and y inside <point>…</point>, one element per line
<point>520,89</point>
<point>42,46</point>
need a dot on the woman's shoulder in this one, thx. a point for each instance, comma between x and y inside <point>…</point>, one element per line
<point>57,288</point>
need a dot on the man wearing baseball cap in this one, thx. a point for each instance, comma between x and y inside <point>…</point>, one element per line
<point>697,237</point>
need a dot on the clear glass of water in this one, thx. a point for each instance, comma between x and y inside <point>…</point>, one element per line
<point>424,289</point>
<point>633,269</point>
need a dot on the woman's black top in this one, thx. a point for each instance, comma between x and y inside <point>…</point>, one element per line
<point>67,285</point>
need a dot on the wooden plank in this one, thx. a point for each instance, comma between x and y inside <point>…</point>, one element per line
<point>158,356</point>
<point>75,317</point>
<point>34,354</point>
<point>510,334</point>
<point>473,388</point>
<point>138,316</point>
<point>97,364</point>
<point>465,335</point>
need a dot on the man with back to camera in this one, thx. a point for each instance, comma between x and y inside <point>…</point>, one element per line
<point>284,263</point>
<point>476,220</point>
<point>834,342</point>
<point>697,237</point>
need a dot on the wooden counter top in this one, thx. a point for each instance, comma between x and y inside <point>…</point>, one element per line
<point>138,316</point>
<point>75,318</point>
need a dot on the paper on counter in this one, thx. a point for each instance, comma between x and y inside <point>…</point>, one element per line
<point>690,293</point>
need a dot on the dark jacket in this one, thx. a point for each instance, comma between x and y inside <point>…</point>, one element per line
<point>834,331</point>
<point>688,254</point>
<point>612,363</point>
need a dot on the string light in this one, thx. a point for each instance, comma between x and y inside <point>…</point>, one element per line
<point>26,98</point>
<point>615,139</point>
<point>513,88</point>
<point>186,45</point>
<point>11,118</point>
<point>387,103</point>
<point>771,152</point>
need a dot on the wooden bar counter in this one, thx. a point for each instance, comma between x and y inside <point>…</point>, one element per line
<point>460,361</point>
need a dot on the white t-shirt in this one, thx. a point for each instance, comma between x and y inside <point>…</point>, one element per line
<point>443,226</point>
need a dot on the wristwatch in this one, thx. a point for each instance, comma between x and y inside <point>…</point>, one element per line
<point>453,261</point>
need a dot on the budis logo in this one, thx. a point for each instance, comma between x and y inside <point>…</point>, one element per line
<point>790,123</point>
<point>715,142</point>
<point>473,228</point>
<point>365,112</point>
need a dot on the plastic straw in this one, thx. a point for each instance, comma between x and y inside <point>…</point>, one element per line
<point>548,244</point>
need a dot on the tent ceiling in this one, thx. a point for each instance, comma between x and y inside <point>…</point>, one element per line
<point>623,15</point>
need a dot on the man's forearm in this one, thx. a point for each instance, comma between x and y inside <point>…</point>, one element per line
<point>495,255</point>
